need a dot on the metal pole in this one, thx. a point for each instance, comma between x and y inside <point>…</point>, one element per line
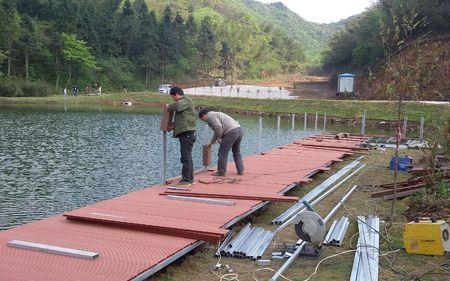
<point>363,124</point>
<point>300,243</point>
<point>422,122</point>
<point>278,126</point>
<point>259,132</point>
<point>164,162</point>
<point>293,122</point>
<point>315,122</point>
<point>324,121</point>
<point>305,122</point>
<point>405,126</point>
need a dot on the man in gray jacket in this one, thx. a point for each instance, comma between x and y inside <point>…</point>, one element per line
<point>228,133</point>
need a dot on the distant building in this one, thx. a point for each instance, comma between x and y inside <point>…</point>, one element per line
<point>346,82</point>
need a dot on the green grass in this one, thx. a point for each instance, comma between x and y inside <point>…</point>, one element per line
<point>336,108</point>
<point>197,266</point>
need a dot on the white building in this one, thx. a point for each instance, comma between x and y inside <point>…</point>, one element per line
<point>346,82</point>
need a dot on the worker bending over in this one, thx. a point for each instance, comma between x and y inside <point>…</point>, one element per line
<point>228,133</point>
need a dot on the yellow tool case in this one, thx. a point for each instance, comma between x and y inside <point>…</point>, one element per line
<point>426,237</point>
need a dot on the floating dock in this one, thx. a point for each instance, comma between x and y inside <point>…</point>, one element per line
<point>135,235</point>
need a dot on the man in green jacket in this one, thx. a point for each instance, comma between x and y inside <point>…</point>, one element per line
<point>184,129</point>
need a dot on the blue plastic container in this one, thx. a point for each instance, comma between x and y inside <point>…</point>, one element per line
<point>403,163</point>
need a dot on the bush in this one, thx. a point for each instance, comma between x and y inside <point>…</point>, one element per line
<point>19,88</point>
<point>10,89</point>
<point>36,89</point>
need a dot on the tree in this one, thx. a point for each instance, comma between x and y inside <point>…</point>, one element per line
<point>76,52</point>
<point>165,42</point>
<point>10,33</point>
<point>126,29</point>
<point>226,59</point>
<point>394,36</point>
<point>207,43</point>
<point>28,41</point>
<point>146,46</point>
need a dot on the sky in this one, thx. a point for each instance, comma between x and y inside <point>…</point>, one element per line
<point>325,11</point>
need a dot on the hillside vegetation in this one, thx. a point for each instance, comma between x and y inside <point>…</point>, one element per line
<point>396,44</point>
<point>139,43</point>
<point>429,64</point>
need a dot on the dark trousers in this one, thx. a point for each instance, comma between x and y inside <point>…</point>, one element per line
<point>231,140</point>
<point>187,140</point>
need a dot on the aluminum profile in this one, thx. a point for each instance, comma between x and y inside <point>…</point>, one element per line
<point>294,209</point>
<point>365,263</point>
<point>225,242</point>
<point>250,243</point>
<point>300,243</point>
<point>201,200</point>
<point>52,249</point>
<point>337,232</point>
<point>320,198</point>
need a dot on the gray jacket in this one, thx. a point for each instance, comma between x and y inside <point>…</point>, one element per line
<point>221,124</point>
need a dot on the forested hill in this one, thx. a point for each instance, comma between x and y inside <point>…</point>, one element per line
<point>144,42</point>
<point>313,36</point>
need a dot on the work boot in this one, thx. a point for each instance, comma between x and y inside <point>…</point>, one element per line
<point>218,174</point>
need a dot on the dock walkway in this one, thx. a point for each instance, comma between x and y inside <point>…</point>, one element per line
<point>139,233</point>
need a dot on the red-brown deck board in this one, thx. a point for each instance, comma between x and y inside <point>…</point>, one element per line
<point>126,253</point>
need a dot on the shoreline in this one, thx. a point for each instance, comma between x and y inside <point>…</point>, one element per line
<point>379,114</point>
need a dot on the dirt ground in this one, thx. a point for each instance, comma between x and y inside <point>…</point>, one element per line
<point>306,87</point>
<point>392,266</point>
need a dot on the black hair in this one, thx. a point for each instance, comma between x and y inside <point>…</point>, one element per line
<point>202,112</point>
<point>176,90</point>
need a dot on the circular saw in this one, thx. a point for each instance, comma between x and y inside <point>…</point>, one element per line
<point>310,227</point>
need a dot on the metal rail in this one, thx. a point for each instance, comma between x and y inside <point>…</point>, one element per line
<point>301,243</point>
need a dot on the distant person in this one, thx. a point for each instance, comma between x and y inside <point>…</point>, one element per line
<point>99,90</point>
<point>228,133</point>
<point>184,129</point>
<point>65,92</point>
<point>125,88</point>
<point>75,90</point>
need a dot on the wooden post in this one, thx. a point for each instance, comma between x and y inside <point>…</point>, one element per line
<point>206,156</point>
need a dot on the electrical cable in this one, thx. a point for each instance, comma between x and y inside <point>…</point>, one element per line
<point>269,269</point>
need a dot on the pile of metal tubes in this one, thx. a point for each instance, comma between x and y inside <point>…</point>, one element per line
<point>337,232</point>
<point>365,264</point>
<point>296,208</point>
<point>249,243</point>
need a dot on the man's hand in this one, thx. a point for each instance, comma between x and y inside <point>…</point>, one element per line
<point>171,126</point>
<point>219,141</point>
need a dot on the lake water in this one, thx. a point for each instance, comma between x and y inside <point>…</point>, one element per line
<point>58,158</point>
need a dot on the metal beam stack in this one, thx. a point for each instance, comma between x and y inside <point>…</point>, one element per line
<point>365,264</point>
<point>249,243</point>
<point>337,232</point>
<point>296,208</point>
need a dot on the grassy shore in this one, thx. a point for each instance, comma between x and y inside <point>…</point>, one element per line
<point>336,108</point>
<point>395,264</point>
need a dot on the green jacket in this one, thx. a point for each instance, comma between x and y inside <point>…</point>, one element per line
<point>184,116</point>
